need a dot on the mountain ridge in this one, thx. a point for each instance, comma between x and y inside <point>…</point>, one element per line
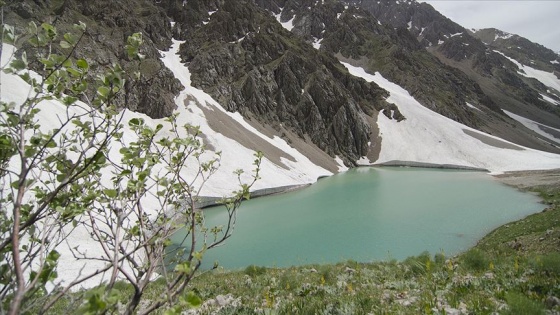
<point>277,63</point>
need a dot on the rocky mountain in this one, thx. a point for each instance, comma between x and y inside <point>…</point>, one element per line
<point>109,23</point>
<point>278,63</point>
<point>485,57</point>
<point>248,62</point>
<point>520,49</point>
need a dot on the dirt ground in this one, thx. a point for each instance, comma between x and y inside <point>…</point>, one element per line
<point>531,179</point>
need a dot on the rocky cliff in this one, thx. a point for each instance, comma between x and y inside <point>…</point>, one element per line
<point>109,23</point>
<point>247,61</point>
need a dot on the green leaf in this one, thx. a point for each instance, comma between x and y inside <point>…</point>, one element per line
<point>47,62</point>
<point>111,193</point>
<point>51,144</point>
<point>99,158</point>
<point>49,30</point>
<point>70,38</point>
<point>69,100</point>
<point>74,72</point>
<point>30,152</point>
<point>172,311</point>
<point>193,300</point>
<point>65,45</point>
<point>8,34</point>
<point>136,122</point>
<point>81,26</point>
<point>60,177</point>
<point>53,256</point>
<point>18,64</point>
<point>103,91</point>
<point>134,231</point>
<point>82,64</point>
<point>183,268</point>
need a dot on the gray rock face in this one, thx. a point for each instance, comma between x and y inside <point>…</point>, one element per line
<point>520,49</point>
<point>351,31</point>
<point>420,19</point>
<point>244,58</point>
<point>109,23</point>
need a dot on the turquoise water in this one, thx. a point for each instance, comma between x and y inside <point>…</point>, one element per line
<point>369,214</point>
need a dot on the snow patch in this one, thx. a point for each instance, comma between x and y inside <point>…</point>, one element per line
<point>289,25</point>
<point>456,34</point>
<point>409,25</point>
<point>535,126</point>
<point>340,163</point>
<point>425,136</point>
<point>317,43</point>
<point>502,36</point>
<point>363,161</point>
<point>472,106</point>
<point>554,62</point>
<point>234,155</point>
<point>546,78</point>
<point>549,99</point>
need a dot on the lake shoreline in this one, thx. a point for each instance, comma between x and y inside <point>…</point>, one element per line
<point>522,180</point>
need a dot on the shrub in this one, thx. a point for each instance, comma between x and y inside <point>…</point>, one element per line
<point>519,304</point>
<point>253,270</point>
<point>549,264</point>
<point>475,260</point>
<point>419,264</point>
<point>439,258</point>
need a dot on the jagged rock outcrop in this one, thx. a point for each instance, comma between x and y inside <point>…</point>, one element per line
<point>520,49</point>
<point>109,23</point>
<point>244,58</point>
<point>490,64</point>
<point>355,35</point>
<point>420,19</point>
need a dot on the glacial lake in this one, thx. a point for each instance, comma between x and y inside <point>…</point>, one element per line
<point>369,214</point>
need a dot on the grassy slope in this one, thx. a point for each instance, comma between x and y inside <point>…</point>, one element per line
<point>513,270</point>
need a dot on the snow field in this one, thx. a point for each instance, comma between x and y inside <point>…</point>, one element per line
<point>425,136</point>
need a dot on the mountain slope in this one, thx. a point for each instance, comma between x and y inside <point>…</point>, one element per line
<point>109,23</point>
<point>242,57</point>
<point>277,64</point>
<point>494,75</point>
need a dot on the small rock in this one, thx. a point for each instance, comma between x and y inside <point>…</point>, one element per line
<point>313,270</point>
<point>386,296</point>
<point>221,300</point>
<point>515,244</point>
<point>349,270</point>
<point>489,275</point>
<point>452,311</point>
<point>552,301</point>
